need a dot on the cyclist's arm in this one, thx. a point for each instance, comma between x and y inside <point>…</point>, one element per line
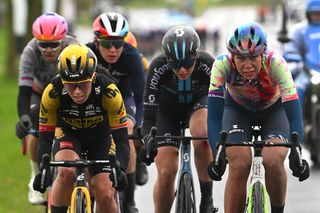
<point>215,102</point>
<point>27,67</point>
<point>151,97</point>
<point>47,119</point>
<point>137,80</point>
<point>114,105</point>
<point>290,99</point>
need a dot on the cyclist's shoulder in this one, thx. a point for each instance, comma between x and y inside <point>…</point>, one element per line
<point>52,91</point>
<point>31,50</point>
<point>103,80</point>
<point>205,57</point>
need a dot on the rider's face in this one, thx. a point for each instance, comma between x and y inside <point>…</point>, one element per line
<point>79,92</point>
<point>110,50</point>
<point>248,66</point>
<point>49,50</point>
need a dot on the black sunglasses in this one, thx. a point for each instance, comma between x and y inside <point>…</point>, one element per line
<point>109,43</point>
<point>52,44</point>
<point>186,63</point>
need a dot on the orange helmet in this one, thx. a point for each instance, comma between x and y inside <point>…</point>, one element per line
<point>131,39</point>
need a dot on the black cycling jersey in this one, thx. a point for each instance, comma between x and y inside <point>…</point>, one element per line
<point>129,73</point>
<point>161,81</point>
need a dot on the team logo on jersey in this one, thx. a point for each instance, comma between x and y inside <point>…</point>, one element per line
<point>97,90</point>
<point>111,93</point>
<point>151,98</point>
<point>53,93</point>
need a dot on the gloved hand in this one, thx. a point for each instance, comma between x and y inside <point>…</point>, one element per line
<point>121,182</point>
<point>23,126</point>
<point>300,169</point>
<point>216,170</point>
<point>44,178</point>
<point>148,141</point>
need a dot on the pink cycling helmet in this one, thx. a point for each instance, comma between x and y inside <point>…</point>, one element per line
<point>50,27</point>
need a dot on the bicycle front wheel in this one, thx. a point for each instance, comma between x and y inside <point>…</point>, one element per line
<point>185,197</point>
<point>257,199</point>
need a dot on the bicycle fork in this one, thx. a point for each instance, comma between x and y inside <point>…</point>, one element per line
<point>257,179</point>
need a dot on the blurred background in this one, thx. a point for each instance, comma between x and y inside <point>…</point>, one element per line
<point>148,20</point>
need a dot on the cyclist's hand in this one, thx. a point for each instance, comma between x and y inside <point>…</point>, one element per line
<point>121,183</point>
<point>23,126</point>
<point>216,170</point>
<point>299,169</point>
<point>148,140</point>
<point>44,178</point>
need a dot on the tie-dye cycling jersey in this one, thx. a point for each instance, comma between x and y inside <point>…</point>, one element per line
<point>273,81</point>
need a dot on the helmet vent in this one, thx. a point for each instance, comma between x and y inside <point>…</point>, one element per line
<point>68,62</point>
<point>113,24</point>
<point>54,29</point>
<point>236,34</point>
<point>252,32</point>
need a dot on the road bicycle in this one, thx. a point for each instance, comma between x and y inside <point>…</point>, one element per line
<point>185,193</point>
<point>257,197</point>
<point>81,201</point>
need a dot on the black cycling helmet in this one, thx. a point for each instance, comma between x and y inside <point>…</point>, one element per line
<point>77,62</point>
<point>181,42</point>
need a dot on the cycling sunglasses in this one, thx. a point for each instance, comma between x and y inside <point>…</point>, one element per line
<point>54,45</point>
<point>106,43</point>
<point>82,85</point>
<point>186,63</point>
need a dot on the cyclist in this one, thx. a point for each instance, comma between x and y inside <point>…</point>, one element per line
<point>37,67</point>
<point>141,168</point>
<point>303,47</point>
<point>79,110</point>
<point>259,91</point>
<point>176,90</point>
<point>124,63</point>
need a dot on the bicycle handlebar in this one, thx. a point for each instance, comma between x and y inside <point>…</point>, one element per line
<point>111,164</point>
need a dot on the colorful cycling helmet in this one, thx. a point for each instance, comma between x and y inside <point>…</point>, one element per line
<point>181,42</point>
<point>312,6</point>
<point>131,39</point>
<point>76,63</point>
<point>110,24</point>
<point>248,39</point>
<point>50,27</point>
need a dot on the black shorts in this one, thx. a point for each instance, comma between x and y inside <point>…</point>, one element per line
<point>170,114</point>
<point>96,144</point>
<point>238,122</point>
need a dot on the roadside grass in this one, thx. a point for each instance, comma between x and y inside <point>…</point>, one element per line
<point>14,167</point>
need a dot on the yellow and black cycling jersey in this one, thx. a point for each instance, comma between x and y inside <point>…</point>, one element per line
<point>104,110</point>
<point>57,107</point>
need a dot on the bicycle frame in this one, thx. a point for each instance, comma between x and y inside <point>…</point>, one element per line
<point>185,165</point>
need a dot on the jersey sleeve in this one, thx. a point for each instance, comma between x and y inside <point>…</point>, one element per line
<point>281,75</point>
<point>113,103</point>
<point>49,105</point>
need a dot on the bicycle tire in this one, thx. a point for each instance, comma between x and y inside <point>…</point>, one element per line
<point>80,206</point>
<point>186,197</point>
<point>257,198</point>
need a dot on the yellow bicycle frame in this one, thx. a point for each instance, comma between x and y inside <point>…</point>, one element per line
<point>86,193</point>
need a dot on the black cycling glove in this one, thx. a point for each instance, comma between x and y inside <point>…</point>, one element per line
<point>299,167</point>
<point>44,178</point>
<point>216,168</point>
<point>23,126</point>
<point>148,141</point>
<point>121,182</point>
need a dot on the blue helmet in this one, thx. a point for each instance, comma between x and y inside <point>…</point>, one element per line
<point>248,39</point>
<point>312,6</point>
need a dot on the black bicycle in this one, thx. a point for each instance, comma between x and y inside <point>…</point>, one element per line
<point>80,199</point>
<point>257,197</point>
<point>185,193</point>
